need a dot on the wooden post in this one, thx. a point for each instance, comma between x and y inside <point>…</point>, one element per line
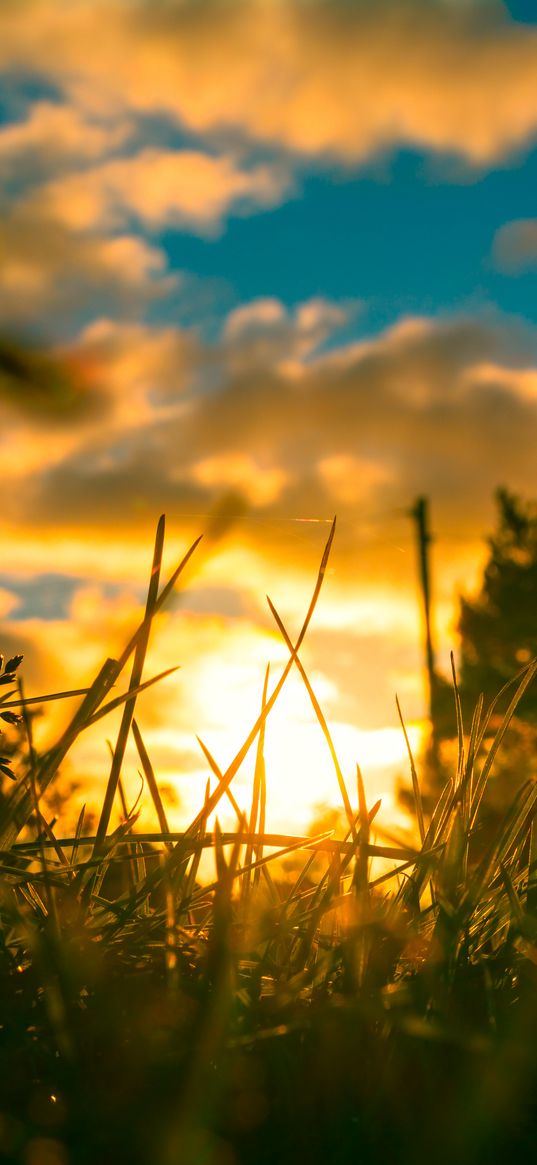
<point>420,513</point>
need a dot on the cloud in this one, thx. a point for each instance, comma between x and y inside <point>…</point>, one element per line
<point>8,603</point>
<point>159,188</point>
<point>238,471</point>
<point>51,274</point>
<point>445,407</point>
<point>264,332</point>
<point>335,81</point>
<point>52,135</point>
<point>515,246</point>
<point>138,360</point>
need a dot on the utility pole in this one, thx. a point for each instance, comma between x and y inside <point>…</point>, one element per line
<point>420,514</point>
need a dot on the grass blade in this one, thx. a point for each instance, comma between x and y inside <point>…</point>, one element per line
<point>135,681</point>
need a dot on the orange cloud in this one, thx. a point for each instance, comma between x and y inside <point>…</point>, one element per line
<point>448,407</point>
<point>52,134</point>
<point>159,187</point>
<point>49,272</point>
<point>341,81</point>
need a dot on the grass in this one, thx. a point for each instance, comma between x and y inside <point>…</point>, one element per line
<point>342,1014</point>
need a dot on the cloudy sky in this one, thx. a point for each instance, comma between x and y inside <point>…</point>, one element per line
<point>277,259</point>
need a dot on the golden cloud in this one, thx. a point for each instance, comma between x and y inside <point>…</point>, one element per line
<point>447,407</point>
<point>53,134</point>
<point>341,81</point>
<point>49,272</point>
<point>158,187</point>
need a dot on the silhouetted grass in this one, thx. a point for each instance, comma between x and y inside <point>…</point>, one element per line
<point>349,1015</point>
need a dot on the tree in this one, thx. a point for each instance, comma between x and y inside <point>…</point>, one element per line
<point>498,627</point>
<point>498,636</point>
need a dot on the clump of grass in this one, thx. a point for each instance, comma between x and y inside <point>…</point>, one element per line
<point>147,1016</point>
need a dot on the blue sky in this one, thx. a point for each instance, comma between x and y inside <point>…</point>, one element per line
<point>402,242</point>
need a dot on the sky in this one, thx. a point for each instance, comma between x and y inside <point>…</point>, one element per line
<point>268,262</point>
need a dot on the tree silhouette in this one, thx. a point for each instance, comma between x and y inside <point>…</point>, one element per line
<point>498,627</point>
<point>498,637</point>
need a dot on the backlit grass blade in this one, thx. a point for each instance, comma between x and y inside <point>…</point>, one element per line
<point>238,840</point>
<point>532,869</point>
<point>218,774</point>
<point>151,780</point>
<point>466,792</point>
<point>42,699</point>
<point>415,783</point>
<point>129,695</point>
<point>15,811</point>
<point>143,629</point>
<point>519,815</point>
<point>190,880</point>
<point>319,714</point>
<point>236,763</point>
<point>498,739</point>
<point>516,679</point>
<point>362,857</point>
<point>32,776</point>
<point>257,810</point>
<point>135,681</point>
<point>78,834</point>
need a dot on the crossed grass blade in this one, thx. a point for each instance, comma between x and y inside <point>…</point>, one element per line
<point>319,714</point>
<point>236,763</point>
<point>219,776</point>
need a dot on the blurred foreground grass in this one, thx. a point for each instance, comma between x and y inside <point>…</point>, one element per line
<point>344,1014</point>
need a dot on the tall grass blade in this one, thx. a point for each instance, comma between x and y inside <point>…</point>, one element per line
<point>151,781</point>
<point>257,809</point>
<point>418,803</point>
<point>460,724</point>
<point>135,681</point>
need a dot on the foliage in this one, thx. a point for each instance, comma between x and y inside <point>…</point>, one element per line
<point>366,1013</point>
<point>498,628</point>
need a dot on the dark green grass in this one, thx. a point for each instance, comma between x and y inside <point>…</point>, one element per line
<point>345,1013</point>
